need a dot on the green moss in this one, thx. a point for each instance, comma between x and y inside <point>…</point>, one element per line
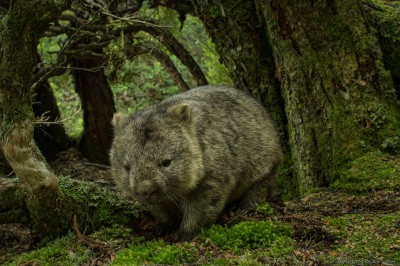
<point>385,16</point>
<point>156,252</point>
<point>264,208</point>
<point>64,251</point>
<point>249,235</point>
<point>372,171</point>
<point>365,237</point>
<point>94,205</point>
<point>115,235</point>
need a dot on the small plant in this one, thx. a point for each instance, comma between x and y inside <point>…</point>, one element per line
<point>264,209</point>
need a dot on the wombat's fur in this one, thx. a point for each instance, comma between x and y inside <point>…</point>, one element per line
<point>189,156</point>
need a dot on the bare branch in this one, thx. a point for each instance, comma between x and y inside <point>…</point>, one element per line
<point>174,46</point>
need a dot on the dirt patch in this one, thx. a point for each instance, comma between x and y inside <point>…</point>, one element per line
<point>71,163</point>
<point>15,239</point>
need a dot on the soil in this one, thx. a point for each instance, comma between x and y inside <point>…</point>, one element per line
<point>306,215</point>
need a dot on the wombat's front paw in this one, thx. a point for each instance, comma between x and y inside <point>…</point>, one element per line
<point>183,235</point>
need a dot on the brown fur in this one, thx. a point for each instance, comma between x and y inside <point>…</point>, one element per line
<point>189,156</point>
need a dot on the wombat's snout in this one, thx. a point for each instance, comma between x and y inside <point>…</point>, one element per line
<point>145,189</point>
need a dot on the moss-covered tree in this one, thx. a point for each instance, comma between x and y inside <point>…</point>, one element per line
<point>20,30</point>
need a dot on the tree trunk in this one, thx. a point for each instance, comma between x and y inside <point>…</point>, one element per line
<point>20,29</point>
<point>98,109</point>
<point>51,138</point>
<point>339,99</point>
<point>322,64</point>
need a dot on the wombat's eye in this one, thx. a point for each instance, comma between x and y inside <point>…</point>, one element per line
<point>127,168</point>
<point>166,163</point>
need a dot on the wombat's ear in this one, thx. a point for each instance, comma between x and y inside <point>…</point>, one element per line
<point>118,119</point>
<point>181,111</point>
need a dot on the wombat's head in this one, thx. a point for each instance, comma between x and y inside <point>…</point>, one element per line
<point>155,153</point>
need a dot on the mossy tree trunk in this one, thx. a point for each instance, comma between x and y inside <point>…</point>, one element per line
<point>20,30</point>
<point>339,99</point>
<point>322,64</point>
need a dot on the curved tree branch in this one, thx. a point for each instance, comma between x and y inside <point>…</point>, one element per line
<point>174,46</point>
<point>162,57</point>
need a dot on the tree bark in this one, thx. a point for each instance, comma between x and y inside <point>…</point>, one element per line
<point>339,99</point>
<point>20,30</point>
<point>98,108</point>
<point>322,64</point>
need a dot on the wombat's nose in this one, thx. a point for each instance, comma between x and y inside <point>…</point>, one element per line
<point>146,189</point>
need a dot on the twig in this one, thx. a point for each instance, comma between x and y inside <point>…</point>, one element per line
<point>94,244</point>
<point>44,120</point>
<point>102,166</point>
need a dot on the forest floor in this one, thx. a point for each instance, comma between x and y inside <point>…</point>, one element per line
<point>326,227</point>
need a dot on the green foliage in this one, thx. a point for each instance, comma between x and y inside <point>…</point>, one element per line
<point>365,237</point>
<point>63,86</point>
<point>68,104</point>
<point>264,209</point>
<point>65,251</point>
<point>249,235</point>
<point>157,252</point>
<point>372,171</point>
<point>48,48</point>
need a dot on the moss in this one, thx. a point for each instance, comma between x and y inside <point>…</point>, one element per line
<point>156,252</point>
<point>385,17</point>
<point>364,238</point>
<point>94,205</point>
<point>63,251</point>
<point>68,250</point>
<point>249,235</point>
<point>13,205</point>
<point>372,171</point>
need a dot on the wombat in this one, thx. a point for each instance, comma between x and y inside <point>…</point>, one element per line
<point>189,156</point>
